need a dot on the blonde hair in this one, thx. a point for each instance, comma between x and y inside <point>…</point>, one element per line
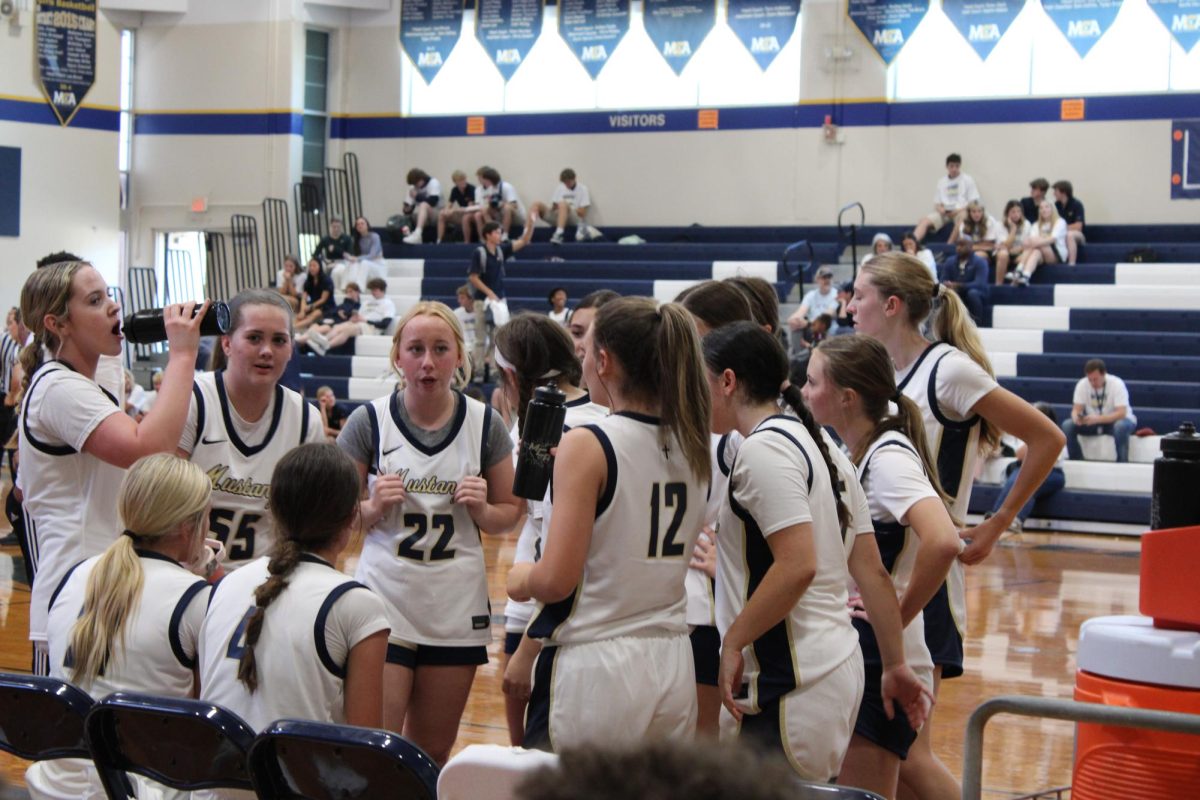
<point>160,493</point>
<point>46,292</point>
<point>659,353</point>
<point>903,276</point>
<point>431,308</point>
<point>1046,227</point>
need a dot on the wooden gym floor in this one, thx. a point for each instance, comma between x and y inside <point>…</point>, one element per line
<point>1026,603</point>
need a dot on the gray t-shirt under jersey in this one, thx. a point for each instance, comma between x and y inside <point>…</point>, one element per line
<point>355,438</point>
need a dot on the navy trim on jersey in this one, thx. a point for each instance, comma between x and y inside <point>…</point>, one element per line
<point>537,716</point>
<point>338,671</point>
<point>373,418</point>
<point>483,443</point>
<point>200,413</point>
<point>579,401</point>
<point>935,406</point>
<point>61,585</point>
<point>722,465</point>
<point>799,447</point>
<point>186,661</point>
<point>954,441</point>
<point>48,449</point>
<point>303,420</point>
<point>610,482</point>
<point>646,418</point>
<point>916,365</point>
<point>309,558</point>
<point>216,585</point>
<point>552,616</point>
<point>866,470</point>
<point>31,565</point>
<point>155,556</point>
<point>460,416</point>
<point>243,448</point>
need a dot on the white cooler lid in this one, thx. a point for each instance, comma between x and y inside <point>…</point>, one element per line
<point>1130,648</point>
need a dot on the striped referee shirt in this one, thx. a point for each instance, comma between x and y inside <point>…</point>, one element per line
<point>9,351</point>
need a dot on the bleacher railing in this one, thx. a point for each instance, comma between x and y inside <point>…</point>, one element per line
<point>216,262</point>
<point>311,219</point>
<point>277,232</point>
<point>354,187</point>
<point>247,261</point>
<point>143,293</point>
<point>337,195</point>
<point>850,230</point>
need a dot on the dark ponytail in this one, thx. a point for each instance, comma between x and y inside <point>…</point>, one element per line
<point>715,303</point>
<point>314,497</point>
<point>540,351</point>
<point>761,366</point>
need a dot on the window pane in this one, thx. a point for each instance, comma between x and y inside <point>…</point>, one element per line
<point>314,130</point>
<point>316,43</point>
<point>314,97</point>
<point>314,158</point>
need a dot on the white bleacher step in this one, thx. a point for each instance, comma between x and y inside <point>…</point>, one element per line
<point>1092,476</point>
<point>1142,449</point>
<point>373,367</point>
<point>1043,318</point>
<point>373,346</point>
<point>1153,298</point>
<point>665,291</point>
<point>405,268</point>
<point>767,270</point>
<point>367,389</point>
<point>1011,340</point>
<point>1158,274</point>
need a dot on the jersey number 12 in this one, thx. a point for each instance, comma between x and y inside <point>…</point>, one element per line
<point>671,495</point>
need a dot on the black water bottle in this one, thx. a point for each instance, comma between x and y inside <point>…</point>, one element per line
<point>1175,502</point>
<point>543,428</point>
<point>147,326</point>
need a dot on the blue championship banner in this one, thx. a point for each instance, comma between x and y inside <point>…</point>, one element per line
<point>507,30</point>
<point>1185,159</point>
<point>982,22</point>
<point>1182,18</point>
<point>429,29</point>
<point>677,27</point>
<point>593,29</point>
<point>1083,22</point>
<point>887,24</point>
<point>763,26</point>
<point>66,53</point>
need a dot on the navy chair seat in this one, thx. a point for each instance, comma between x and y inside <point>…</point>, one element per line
<point>825,791</point>
<point>42,718</point>
<point>303,760</point>
<point>181,743</point>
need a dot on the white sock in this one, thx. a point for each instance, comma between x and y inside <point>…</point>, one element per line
<point>558,231</point>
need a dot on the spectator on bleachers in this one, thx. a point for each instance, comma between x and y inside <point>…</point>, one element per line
<point>465,313</point>
<point>486,274</point>
<point>818,301</point>
<point>316,303</point>
<point>156,379</point>
<point>334,247</point>
<point>1054,482</point>
<point>1012,244</point>
<point>950,198</point>
<point>498,202</point>
<point>568,205</point>
<point>135,395</point>
<point>1071,210</point>
<point>967,274</point>
<point>1047,243</point>
<point>374,316</point>
<point>558,306</point>
<point>289,281</point>
<point>978,228</point>
<point>843,322</point>
<point>350,303</point>
<point>333,413</point>
<point>880,243</point>
<point>911,245</point>
<point>1100,406</point>
<point>421,204</point>
<point>460,209</point>
<point>1031,205</point>
<point>365,260</point>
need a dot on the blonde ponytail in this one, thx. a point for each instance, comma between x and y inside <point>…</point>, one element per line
<point>686,403</point>
<point>46,293</point>
<point>953,325</point>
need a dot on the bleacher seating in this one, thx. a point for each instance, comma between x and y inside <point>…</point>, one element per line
<point>1142,318</point>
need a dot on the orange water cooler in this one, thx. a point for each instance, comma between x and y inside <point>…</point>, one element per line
<point>1148,662</point>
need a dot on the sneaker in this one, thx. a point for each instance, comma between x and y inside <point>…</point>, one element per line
<point>1010,276</point>
<point>581,233</point>
<point>1016,526</point>
<point>318,347</point>
<point>594,233</point>
<point>415,237</point>
<point>504,237</point>
<point>557,237</point>
<point>319,338</point>
<point>1021,280</point>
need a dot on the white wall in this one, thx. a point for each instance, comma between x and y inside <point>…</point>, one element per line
<point>69,187</point>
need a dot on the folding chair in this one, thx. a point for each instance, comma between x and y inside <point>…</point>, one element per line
<point>302,760</point>
<point>184,744</point>
<point>42,719</point>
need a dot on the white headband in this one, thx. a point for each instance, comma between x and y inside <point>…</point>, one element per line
<point>504,363</point>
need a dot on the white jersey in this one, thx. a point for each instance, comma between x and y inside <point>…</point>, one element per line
<point>701,603</point>
<point>646,525</point>
<point>537,524</point>
<point>70,497</point>
<point>946,384</point>
<point>424,557</point>
<point>307,634</point>
<point>779,480</point>
<point>159,651</point>
<point>895,481</point>
<point>239,458</point>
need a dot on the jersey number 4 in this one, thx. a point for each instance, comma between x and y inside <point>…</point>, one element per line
<point>670,495</point>
<point>239,541</point>
<point>420,525</point>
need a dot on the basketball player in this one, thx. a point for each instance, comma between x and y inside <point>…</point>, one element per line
<point>128,619</point>
<point>75,439</point>
<point>531,351</point>
<point>289,635</point>
<point>437,470</point>
<point>241,422</point>
<point>580,324</point>
<point>964,410</point>
<point>850,384</point>
<point>787,641</point>
<point>629,495</point>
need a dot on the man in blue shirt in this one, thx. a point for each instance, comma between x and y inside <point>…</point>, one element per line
<point>1071,210</point>
<point>967,274</point>
<point>486,275</point>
